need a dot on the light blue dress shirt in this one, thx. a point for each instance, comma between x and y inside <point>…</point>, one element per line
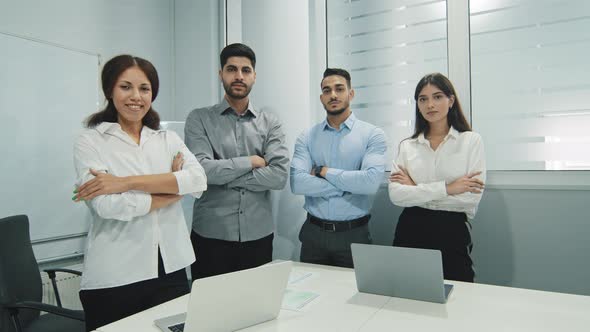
<point>355,157</point>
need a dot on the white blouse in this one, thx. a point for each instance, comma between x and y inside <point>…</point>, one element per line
<point>458,155</point>
<point>123,240</point>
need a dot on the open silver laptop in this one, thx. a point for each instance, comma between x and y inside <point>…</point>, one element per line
<point>410,273</point>
<point>232,301</point>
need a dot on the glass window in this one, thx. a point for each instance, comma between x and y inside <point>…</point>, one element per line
<point>530,86</point>
<point>387,46</point>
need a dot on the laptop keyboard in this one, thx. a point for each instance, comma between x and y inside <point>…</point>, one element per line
<point>177,327</point>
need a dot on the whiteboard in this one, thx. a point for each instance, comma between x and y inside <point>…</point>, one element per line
<point>46,91</point>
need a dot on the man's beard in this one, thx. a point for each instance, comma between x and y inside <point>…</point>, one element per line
<point>229,92</point>
<point>336,112</point>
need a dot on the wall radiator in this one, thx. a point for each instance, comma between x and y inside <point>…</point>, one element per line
<point>68,286</point>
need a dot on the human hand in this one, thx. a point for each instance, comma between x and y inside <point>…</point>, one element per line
<point>323,171</point>
<point>467,183</point>
<point>177,162</point>
<point>402,177</point>
<point>102,184</point>
<point>257,161</point>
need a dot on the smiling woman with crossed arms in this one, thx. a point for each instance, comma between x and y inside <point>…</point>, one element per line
<point>132,175</point>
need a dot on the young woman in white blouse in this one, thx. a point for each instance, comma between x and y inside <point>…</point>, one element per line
<point>132,175</point>
<point>439,177</point>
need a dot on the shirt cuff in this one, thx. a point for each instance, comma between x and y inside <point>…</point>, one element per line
<point>143,203</point>
<point>440,190</point>
<point>185,180</point>
<point>242,163</point>
<point>332,173</point>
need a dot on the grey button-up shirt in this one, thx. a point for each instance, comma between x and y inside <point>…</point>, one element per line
<point>236,205</point>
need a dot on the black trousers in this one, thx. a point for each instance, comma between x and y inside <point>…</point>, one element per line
<point>216,257</point>
<point>320,246</point>
<point>440,230</point>
<point>106,305</point>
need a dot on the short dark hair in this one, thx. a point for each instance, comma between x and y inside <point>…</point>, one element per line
<point>338,72</point>
<point>110,74</point>
<point>455,118</point>
<point>237,49</point>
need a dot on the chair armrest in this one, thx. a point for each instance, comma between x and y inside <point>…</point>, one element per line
<point>51,272</point>
<point>73,314</point>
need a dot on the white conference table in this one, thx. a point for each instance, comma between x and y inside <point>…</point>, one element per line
<point>340,307</point>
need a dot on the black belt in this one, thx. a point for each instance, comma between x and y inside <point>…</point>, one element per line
<point>338,226</point>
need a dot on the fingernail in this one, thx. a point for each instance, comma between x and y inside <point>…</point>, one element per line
<point>74,197</point>
<point>75,191</point>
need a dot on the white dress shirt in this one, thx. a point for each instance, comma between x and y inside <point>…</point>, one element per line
<point>124,237</point>
<point>458,155</point>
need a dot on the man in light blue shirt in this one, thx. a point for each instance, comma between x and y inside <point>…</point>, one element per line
<point>337,164</point>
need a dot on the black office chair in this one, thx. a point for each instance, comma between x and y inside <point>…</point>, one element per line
<point>21,289</point>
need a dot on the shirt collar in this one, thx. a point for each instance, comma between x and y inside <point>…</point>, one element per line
<point>224,106</point>
<point>348,123</point>
<point>453,133</point>
<point>108,127</point>
<point>149,131</point>
<point>115,127</point>
<point>421,139</point>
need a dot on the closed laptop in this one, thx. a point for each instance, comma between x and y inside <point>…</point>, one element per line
<point>400,272</point>
<point>232,301</point>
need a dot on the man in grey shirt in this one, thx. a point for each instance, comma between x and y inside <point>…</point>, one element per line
<point>243,152</point>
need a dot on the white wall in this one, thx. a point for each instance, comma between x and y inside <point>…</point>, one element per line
<point>108,27</point>
<point>197,46</point>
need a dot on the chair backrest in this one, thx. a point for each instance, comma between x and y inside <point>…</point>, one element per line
<point>20,279</point>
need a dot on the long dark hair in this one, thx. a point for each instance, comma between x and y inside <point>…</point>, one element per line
<point>455,118</point>
<point>110,74</point>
